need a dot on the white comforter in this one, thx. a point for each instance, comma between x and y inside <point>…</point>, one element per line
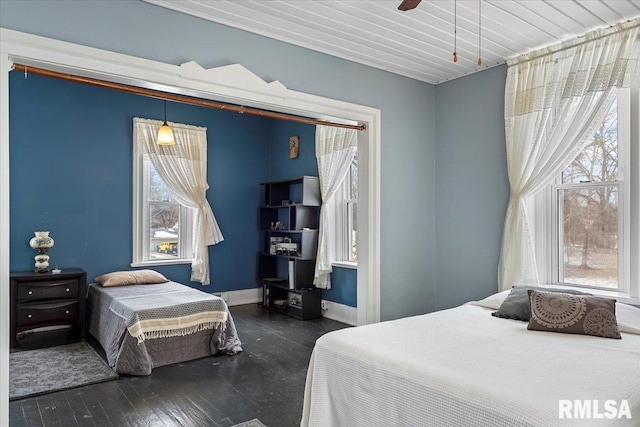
<point>462,367</point>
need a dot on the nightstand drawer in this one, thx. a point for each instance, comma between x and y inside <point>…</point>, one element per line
<point>32,314</point>
<point>34,291</point>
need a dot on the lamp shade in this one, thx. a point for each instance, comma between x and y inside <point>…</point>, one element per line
<point>165,135</point>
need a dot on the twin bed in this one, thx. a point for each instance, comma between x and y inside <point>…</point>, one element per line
<point>463,367</point>
<point>141,327</point>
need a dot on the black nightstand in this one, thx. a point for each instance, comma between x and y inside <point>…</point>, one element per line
<point>47,309</point>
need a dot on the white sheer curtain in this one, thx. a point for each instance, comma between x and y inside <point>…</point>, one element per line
<point>554,100</point>
<point>183,169</point>
<point>335,148</point>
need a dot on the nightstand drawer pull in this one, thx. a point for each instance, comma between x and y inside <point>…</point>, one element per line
<point>67,289</point>
<point>30,292</point>
<point>67,312</point>
<point>29,316</point>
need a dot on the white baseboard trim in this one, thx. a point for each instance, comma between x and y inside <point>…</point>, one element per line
<point>340,312</point>
<point>241,297</point>
<point>335,311</point>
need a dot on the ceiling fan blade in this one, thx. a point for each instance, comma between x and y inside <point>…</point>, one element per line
<point>408,4</point>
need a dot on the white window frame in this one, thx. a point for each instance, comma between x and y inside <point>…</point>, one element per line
<point>141,256</point>
<point>349,204</point>
<point>339,207</point>
<point>558,236</point>
<point>544,214</point>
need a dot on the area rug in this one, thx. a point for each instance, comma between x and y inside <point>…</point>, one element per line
<point>251,423</point>
<point>46,370</point>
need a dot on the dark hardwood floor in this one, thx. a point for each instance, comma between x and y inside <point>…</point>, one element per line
<point>265,381</point>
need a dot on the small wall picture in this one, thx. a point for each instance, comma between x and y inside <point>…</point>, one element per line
<point>294,147</point>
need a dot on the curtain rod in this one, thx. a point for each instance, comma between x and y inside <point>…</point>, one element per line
<point>179,98</point>
<point>573,42</point>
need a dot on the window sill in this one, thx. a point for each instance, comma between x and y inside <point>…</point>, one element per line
<point>622,297</point>
<point>161,262</point>
<point>345,264</point>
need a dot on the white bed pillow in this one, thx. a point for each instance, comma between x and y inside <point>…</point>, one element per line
<point>628,318</point>
<point>492,301</point>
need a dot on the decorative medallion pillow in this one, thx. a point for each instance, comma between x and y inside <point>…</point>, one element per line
<point>516,305</point>
<point>573,314</point>
<point>133,277</point>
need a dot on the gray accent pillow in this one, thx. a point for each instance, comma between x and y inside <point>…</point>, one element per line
<point>516,305</point>
<point>573,314</point>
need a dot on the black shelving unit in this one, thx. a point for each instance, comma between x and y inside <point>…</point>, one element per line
<point>303,304</point>
<point>288,223</point>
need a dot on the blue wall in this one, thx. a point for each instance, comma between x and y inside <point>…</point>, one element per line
<point>84,134</point>
<point>344,287</point>
<point>280,165</point>
<point>472,187</point>
<point>71,173</point>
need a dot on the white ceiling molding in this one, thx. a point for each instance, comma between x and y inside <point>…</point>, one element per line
<point>234,76</point>
<point>416,43</point>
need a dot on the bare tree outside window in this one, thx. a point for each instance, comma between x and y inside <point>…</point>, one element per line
<point>588,211</point>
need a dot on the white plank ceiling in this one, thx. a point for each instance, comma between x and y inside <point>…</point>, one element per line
<point>418,43</point>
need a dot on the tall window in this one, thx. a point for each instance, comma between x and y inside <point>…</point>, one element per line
<point>588,210</point>
<point>168,231</point>
<point>164,227</point>
<point>344,207</point>
<point>589,216</point>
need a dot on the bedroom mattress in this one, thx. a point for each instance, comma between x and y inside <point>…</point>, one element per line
<point>462,367</point>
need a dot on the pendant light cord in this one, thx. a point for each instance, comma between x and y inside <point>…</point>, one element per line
<point>479,32</point>
<point>165,111</point>
<point>455,30</point>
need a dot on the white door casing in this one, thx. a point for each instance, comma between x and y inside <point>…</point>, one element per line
<point>232,83</point>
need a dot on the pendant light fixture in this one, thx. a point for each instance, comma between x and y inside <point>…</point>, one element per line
<point>165,134</point>
<point>455,31</point>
